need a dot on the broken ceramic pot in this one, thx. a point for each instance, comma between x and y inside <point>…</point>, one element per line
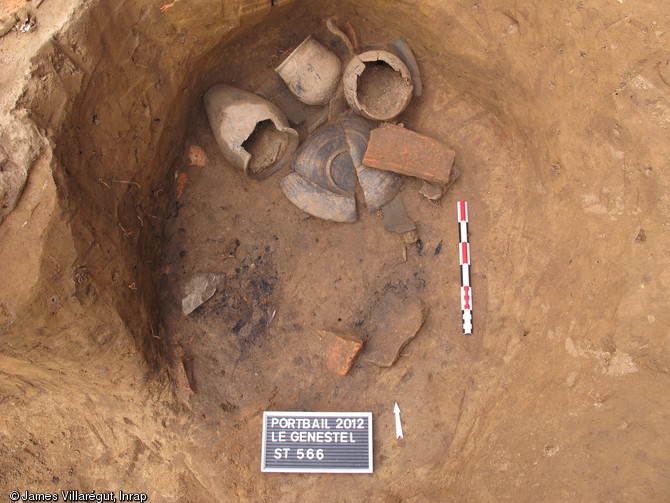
<point>311,72</point>
<point>401,48</point>
<point>317,201</point>
<point>324,158</point>
<point>252,133</point>
<point>324,180</point>
<point>379,187</point>
<point>326,169</point>
<point>339,41</point>
<point>378,85</point>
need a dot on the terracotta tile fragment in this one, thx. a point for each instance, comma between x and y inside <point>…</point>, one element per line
<point>183,388</point>
<point>394,148</point>
<point>181,183</point>
<point>340,351</point>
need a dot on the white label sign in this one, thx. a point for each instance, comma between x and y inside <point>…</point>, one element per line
<point>317,442</point>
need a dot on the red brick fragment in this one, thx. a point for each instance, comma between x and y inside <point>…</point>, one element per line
<point>341,351</point>
<point>394,148</point>
<point>182,385</point>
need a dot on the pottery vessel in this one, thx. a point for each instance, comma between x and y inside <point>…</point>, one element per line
<point>377,85</point>
<point>252,133</point>
<point>311,72</point>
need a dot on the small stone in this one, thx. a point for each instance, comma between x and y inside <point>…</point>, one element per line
<point>410,237</point>
<point>432,191</point>
<point>641,236</point>
<point>26,20</point>
<point>197,156</point>
<point>550,451</point>
<point>341,351</point>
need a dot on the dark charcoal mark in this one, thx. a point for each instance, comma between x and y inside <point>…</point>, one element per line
<point>243,305</point>
<point>227,406</point>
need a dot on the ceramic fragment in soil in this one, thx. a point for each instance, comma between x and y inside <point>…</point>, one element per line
<point>199,290</point>
<point>394,321</point>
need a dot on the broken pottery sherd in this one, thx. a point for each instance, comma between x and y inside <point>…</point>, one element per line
<point>341,351</point>
<point>317,201</point>
<point>377,84</point>
<point>324,159</point>
<point>252,133</point>
<point>316,120</point>
<point>379,187</point>
<point>331,161</point>
<point>394,148</point>
<point>394,321</point>
<point>337,105</point>
<point>311,72</point>
<point>199,290</point>
<point>183,388</point>
<point>395,217</point>
<point>402,49</point>
<point>324,178</point>
<point>339,40</point>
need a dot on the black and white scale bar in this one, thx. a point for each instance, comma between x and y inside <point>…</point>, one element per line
<point>317,442</point>
<point>464,259</point>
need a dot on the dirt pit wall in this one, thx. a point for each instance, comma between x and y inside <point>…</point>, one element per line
<point>558,117</point>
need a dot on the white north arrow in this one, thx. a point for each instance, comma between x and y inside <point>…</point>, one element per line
<point>398,424</point>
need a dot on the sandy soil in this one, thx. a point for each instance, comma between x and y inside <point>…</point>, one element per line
<point>381,88</point>
<point>265,145</point>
